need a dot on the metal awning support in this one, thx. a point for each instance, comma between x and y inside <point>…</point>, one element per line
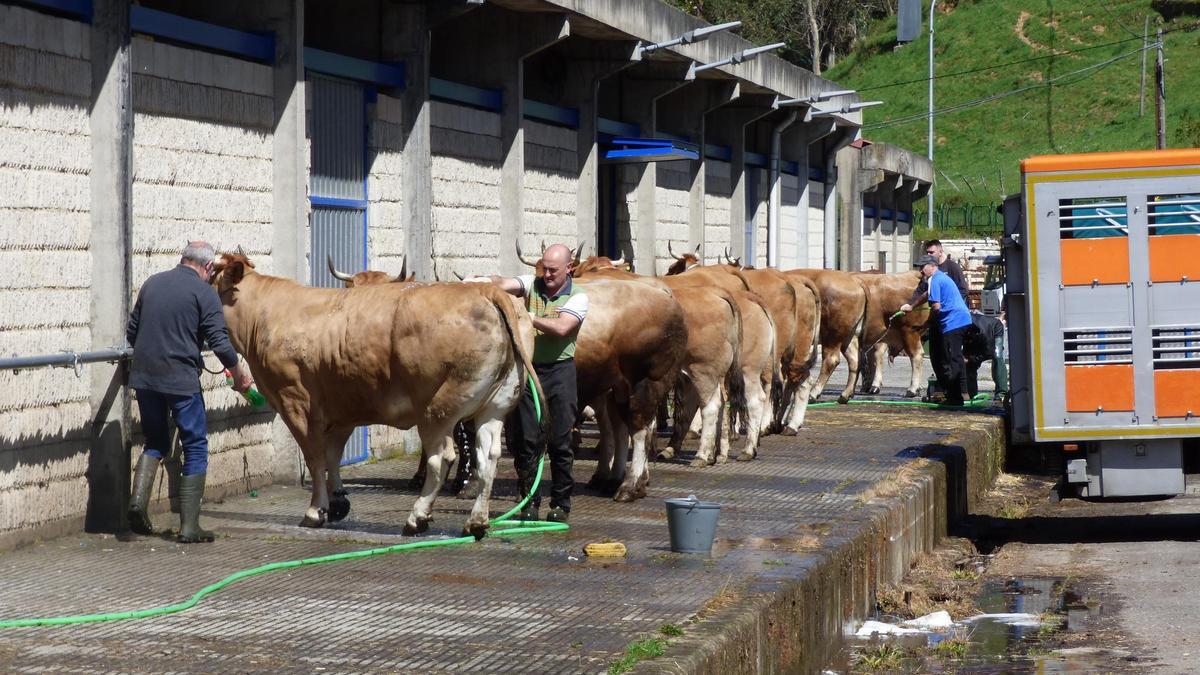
<point>736,58</point>
<point>641,150</point>
<point>809,100</point>
<point>66,359</point>
<point>848,108</point>
<point>698,35</point>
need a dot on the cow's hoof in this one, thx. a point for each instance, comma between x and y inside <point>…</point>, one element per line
<point>477,530</point>
<point>874,391</point>
<point>669,453</point>
<point>699,463</point>
<point>843,400</point>
<point>911,394</point>
<point>691,435</point>
<point>789,431</point>
<point>624,495</point>
<point>315,521</point>
<point>746,456</point>
<point>813,399</point>
<point>722,459</point>
<point>413,528</point>
<point>339,506</point>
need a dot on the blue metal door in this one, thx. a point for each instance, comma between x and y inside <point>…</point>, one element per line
<point>338,194</point>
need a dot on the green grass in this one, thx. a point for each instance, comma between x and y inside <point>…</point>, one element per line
<point>670,630</point>
<point>641,650</point>
<point>887,657</point>
<point>979,148</point>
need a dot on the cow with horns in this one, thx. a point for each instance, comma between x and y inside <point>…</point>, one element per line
<point>330,360</point>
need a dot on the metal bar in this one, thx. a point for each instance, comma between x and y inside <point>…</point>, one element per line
<point>1094,217</point>
<point>1099,329</point>
<point>201,33</point>
<point>1096,341</point>
<point>1117,362</point>
<point>329,63</point>
<point>338,203</point>
<point>65,359</point>
<point>81,9</point>
<point>1178,350</point>
<point>1173,202</point>
<point>456,92</point>
<point>1104,205</point>
<point>1096,352</point>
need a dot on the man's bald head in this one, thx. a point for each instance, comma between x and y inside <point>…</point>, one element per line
<point>556,254</point>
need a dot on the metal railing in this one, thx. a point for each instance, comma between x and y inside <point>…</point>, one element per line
<point>66,359</point>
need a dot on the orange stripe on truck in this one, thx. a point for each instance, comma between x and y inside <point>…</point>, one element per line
<point>1111,160</point>
<point>1176,392</point>
<point>1093,387</point>
<point>1104,261</point>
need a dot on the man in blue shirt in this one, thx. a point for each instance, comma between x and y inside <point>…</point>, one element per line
<point>948,323</point>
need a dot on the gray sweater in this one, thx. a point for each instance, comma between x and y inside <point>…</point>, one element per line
<point>176,312</point>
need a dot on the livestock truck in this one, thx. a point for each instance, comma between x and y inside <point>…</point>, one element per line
<point>1102,279</point>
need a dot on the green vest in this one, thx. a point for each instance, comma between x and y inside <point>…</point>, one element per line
<point>550,348</point>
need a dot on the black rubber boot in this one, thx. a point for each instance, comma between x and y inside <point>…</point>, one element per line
<point>191,491</point>
<point>139,503</point>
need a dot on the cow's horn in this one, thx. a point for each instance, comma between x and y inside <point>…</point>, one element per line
<point>521,256</point>
<point>698,247</point>
<point>543,247</point>
<point>460,277</point>
<point>403,268</point>
<point>618,262</point>
<point>672,252</point>
<point>578,252</point>
<point>340,276</point>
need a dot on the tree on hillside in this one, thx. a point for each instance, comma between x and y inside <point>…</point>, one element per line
<point>816,31</point>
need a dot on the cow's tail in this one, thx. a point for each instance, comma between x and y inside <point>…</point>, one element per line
<point>815,346</point>
<point>735,386</point>
<point>776,391</point>
<point>503,302</point>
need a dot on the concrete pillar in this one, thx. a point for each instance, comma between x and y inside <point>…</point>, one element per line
<point>730,122</point>
<point>852,183</point>
<point>833,180</point>
<point>640,91</point>
<point>111,126</point>
<point>684,113</point>
<point>797,142</point>
<point>289,160</point>
<point>587,69</point>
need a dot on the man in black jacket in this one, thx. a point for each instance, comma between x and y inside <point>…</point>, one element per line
<point>176,313</point>
<point>984,341</point>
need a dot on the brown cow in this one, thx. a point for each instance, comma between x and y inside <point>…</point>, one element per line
<point>885,294</point>
<point>843,310</point>
<point>370,277</point>
<point>330,360</point>
<point>711,361</point>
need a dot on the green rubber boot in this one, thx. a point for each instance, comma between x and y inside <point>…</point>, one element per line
<point>139,503</point>
<point>191,491</point>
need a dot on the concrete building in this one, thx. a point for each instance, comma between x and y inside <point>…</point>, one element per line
<point>442,131</point>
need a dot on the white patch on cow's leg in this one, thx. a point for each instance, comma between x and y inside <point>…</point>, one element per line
<point>829,362</point>
<point>441,452</point>
<point>318,505</point>
<point>798,407</point>
<point>638,478</point>
<point>605,448</point>
<point>487,456</point>
<point>756,404</point>
<point>918,365</point>
<point>852,367</point>
<point>711,414</point>
<point>879,353</point>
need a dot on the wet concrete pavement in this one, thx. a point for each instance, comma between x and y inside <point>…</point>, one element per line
<point>506,604</point>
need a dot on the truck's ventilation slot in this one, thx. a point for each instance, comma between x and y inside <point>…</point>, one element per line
<point>1093,218</point>
<point>1173,214</point>
<point>1098,346</point>
<point>1176,347</point>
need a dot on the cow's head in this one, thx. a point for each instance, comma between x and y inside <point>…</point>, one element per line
<point>369,277</point>
<point>229,271</point>
<point>684,262</point>
<point>596,263</point>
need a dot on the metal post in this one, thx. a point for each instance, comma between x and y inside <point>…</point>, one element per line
<point>1160,98</point>
<point>929,196</point>
<point>1142,89</point>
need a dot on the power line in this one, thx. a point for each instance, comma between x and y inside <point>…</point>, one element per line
<point>1022,61</point>
<point>1104,6</point>
<point>1086,71</point>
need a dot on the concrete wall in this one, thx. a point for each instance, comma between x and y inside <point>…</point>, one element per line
<point>385,216</point>
<point>816,225</point>
<point>202,150</point>
<point>718,190</point>
<point>466,166</point>
<point>626,204</point>
<point>45,266</point>
<point>759,213</point>
<point>673,184</point>
<point>551,186</point>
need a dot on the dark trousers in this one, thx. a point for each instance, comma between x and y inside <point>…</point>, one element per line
<point>946,349</point>
<point>188,412</point>
<point>527,437</point>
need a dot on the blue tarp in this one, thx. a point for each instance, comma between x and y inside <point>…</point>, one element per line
<point>635,150</point>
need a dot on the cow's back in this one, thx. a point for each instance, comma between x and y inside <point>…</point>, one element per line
<point>843,303</point>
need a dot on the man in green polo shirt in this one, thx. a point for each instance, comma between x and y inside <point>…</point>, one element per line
<point>558,309</point>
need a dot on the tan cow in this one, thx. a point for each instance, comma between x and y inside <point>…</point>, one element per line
<point>843,312</point>
<point>759,363</point>
<point>885,294</point>
<point>711,372</point>
<point>330,360</point>
<point>370,277</point>
<point>794,304</point>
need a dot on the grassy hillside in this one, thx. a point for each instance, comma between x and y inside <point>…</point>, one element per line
<point>978,148</point>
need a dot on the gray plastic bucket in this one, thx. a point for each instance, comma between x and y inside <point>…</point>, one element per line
<point>693,524</point>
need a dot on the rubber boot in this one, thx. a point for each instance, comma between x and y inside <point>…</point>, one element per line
<point>139,503</point>
<point>191,491</point>
<point>999,368</point>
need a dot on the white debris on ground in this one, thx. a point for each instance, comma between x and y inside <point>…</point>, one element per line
<point>935,621</point>
<point>941,621</point>
<point>1011,619</point>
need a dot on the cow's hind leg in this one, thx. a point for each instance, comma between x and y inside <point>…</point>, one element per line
<point>687,399</point>
<point>318,506</point>
<point>440,453</point>
<point>638,478</point>
<point>852,366</point>
<point>917,360</point>
<point>757,404</point>
<point>339,500</point>
<point>487,456</point>
<point>876,357</point>
<point>830,357</point>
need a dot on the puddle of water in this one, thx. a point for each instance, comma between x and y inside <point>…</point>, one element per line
<point>990,645</point>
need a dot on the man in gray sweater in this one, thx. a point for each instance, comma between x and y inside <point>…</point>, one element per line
<point>177,311</point>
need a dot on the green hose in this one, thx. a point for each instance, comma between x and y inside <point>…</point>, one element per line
<point>500,523</point>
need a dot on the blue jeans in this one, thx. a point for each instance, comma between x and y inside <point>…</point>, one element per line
<point>188,412</point>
